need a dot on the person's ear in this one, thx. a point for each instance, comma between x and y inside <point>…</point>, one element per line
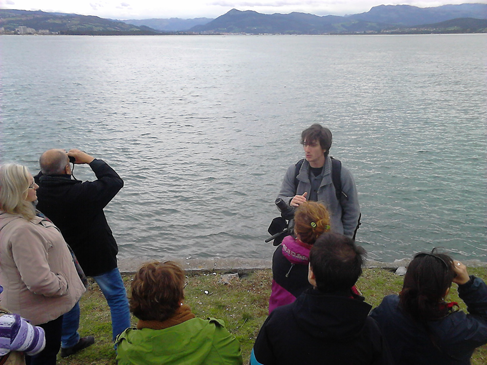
<point>311,276</point>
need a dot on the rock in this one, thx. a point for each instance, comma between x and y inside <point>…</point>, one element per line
<point>227,278</point>
<point>401,271</point>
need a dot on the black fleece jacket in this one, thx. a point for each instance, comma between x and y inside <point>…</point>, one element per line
<point>76,208</point>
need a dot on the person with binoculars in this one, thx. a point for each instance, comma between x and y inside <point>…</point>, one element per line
<point>76,207</point>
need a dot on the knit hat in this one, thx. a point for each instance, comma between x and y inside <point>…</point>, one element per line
<point>16,334</point>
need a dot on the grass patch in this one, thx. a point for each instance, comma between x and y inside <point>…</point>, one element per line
<point>242,304</point>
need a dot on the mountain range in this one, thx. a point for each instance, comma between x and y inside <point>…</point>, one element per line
<point>392,19</point>
<point>169,25</point>
<point>380,19</point>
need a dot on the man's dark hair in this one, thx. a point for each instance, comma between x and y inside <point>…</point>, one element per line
<point>336,262</point>
<point>318,133</point>
<point>53,162</point>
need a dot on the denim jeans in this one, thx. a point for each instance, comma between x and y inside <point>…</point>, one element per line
<point>111,285</point>
<point>70,335</point>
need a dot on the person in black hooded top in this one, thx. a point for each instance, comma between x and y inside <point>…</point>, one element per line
<point>77,209</point>
<point>328,323</point>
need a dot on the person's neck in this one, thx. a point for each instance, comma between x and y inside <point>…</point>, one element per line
<point>318,164</point>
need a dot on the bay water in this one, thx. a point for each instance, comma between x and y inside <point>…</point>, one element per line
<point>203,128</point>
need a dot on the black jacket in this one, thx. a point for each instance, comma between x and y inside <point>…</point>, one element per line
<point>450,340</point>
<point>320,329</point>
<point>76,208</point>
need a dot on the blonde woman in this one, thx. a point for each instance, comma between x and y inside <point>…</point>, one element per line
<point>37,271</point>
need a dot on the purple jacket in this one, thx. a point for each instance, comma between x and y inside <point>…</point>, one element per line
<point>289,272</point>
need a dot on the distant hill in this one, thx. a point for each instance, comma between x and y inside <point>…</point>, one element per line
<point>10,20</point>
<point>460,25</point>
<point>411,15</point>
<point>380,19</point>
<point>236,21</point>
<point>169,25</point>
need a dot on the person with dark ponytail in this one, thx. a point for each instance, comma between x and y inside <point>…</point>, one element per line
<point>291,258</point>
<point>421,327</point>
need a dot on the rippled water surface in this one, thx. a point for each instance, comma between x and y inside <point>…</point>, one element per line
<point>202,129</point>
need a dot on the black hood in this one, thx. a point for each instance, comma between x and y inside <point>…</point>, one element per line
<point>54,180</point>
<point>339,317</point>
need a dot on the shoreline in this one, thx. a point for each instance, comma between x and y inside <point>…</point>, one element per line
<point>194,266</point>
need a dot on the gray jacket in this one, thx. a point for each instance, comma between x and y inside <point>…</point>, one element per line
<point>344,217</point>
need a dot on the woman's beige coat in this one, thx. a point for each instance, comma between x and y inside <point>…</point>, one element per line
<point>37,271</point>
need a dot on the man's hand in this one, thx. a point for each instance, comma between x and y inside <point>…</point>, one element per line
<point>461,271</point>
<point>298,200</point>
<point>80,156</point>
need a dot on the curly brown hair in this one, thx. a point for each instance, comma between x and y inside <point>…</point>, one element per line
<point>157,290</point>
<point>311,219</point>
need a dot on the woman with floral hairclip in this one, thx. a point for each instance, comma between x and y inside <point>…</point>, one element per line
<point>421,327</point>
<point>291,258</point>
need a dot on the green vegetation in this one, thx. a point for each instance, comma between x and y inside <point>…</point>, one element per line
<point>242,304</point>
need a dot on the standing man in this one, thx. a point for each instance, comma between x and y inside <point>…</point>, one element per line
<point>76,208</point>
<point>318,177</point>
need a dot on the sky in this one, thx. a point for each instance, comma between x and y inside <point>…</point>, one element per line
<point>188,9</point>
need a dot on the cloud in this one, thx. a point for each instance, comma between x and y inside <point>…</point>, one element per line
<point>96,6</point>
<point>124,6</point>
<point>236,4</point>
<point>322,7</point>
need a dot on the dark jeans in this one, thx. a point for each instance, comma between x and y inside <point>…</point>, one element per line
<point>53,344</point>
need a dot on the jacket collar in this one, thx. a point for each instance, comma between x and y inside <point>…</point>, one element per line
<point>294,252</point>
<point>303,174</point>
<point>57,180</point>
<point>338,316</point>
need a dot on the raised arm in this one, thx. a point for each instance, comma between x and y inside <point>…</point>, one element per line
<point>100,192</point>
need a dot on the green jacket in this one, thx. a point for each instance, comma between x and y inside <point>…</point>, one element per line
<point>194,342</point>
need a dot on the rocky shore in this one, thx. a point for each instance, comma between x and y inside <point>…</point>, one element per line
<point>192,266</point>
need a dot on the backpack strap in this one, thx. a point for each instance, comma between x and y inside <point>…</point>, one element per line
<point>336,171</point>
<point>296,173</point>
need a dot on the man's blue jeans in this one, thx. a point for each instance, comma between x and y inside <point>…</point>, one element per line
<point>111,285</point>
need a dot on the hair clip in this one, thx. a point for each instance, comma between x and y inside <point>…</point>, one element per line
<point>313,224</point>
